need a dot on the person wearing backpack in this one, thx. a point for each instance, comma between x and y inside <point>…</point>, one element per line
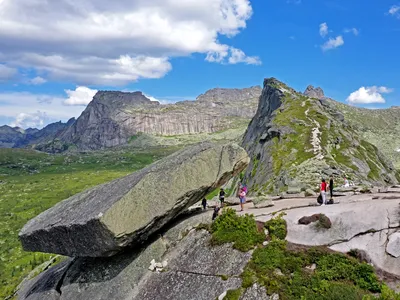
<point>323,192</point>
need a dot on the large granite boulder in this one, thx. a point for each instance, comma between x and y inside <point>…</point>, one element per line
<point>103,220</point>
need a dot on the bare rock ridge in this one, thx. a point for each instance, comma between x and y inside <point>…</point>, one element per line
<point>295,140</point>
<point>125,212</point>
<point>312,92</point>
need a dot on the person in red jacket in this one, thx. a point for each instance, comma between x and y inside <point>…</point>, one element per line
<point>323,192</point>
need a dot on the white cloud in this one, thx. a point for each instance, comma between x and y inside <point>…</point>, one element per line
<point>37,80</point>
<point>80,96</point>
<point>333,43</point>
<point>354,31</point>
<point>21,105</point>
<point>323,29</point>
<point>6,73</point>
<point>116,42</point>
<point>368,95</point>
<point>33,120</point>
<point>395,11</point>
<point>238,56</point>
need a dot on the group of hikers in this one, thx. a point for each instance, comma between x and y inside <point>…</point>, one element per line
<point>325,187</point>
<point>241,193</point>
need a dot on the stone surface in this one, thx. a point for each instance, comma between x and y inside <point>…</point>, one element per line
<point>255,292</point>
<point>105,219</point>
<point>393,245</point>
<point>264,203</point>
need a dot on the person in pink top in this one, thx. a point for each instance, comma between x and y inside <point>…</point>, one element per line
<point>242,197</point>
<point>323,187</point>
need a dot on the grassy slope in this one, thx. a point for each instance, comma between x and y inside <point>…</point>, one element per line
<point>378,126</point>
<point>31,182</point>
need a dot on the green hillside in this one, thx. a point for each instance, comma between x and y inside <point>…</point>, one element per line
<point>31,182</point>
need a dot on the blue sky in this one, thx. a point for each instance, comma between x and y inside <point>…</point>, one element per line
<point>173,50</point>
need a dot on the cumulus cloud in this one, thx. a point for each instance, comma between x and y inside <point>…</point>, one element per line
<point>33,120</point>
<point>116,42</point>
<point>353,30</point>
<point>238,56</point>
<point>395,11</point>
<point>333,43</point>
<point>6,73</point>
<point>80,96</point>
<point>369,95</point>
<point>323,29</point>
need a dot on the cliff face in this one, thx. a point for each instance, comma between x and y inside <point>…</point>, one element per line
<point>114,118</point>
<point>295,139</point>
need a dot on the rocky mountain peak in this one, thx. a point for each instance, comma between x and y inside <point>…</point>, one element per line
<point>313,92</point>
<point>122,98</point>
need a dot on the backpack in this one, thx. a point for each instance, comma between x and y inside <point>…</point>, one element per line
<point>319,199</point>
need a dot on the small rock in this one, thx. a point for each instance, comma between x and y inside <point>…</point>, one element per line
<point>278,272</point>
<point>158,265</point>
<point>312,267</point>
<point>222,296</point>
<point>275,297</point>
<point>164,263</point>
<point>265,243</point>
<point>393,246</point>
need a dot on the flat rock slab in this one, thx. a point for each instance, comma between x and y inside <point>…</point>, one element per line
<point>103,220</point>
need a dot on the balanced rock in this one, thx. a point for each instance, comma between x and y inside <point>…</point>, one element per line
<point>103,220</point>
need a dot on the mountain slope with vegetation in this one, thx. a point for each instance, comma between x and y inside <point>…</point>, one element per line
<point>295,139</point>
<point>378,126</point>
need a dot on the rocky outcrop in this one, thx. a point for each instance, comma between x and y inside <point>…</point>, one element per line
<point>312,92</point>
<point>296,138</point>
<point>193,268</point>
<point>103,220</point>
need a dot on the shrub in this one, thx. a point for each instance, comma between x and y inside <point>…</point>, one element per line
<point>277,227</point>
<point>233,294</point>
<point>240,230</point>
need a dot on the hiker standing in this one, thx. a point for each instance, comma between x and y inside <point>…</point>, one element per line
<point>222,197</point>
<point>331,186</point>
<point>204,203</point>
<point>323,192</point>
<point>242,197</point>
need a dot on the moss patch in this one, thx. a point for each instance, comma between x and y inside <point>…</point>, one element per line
<point>242,231</point>
<point>233,294</point>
